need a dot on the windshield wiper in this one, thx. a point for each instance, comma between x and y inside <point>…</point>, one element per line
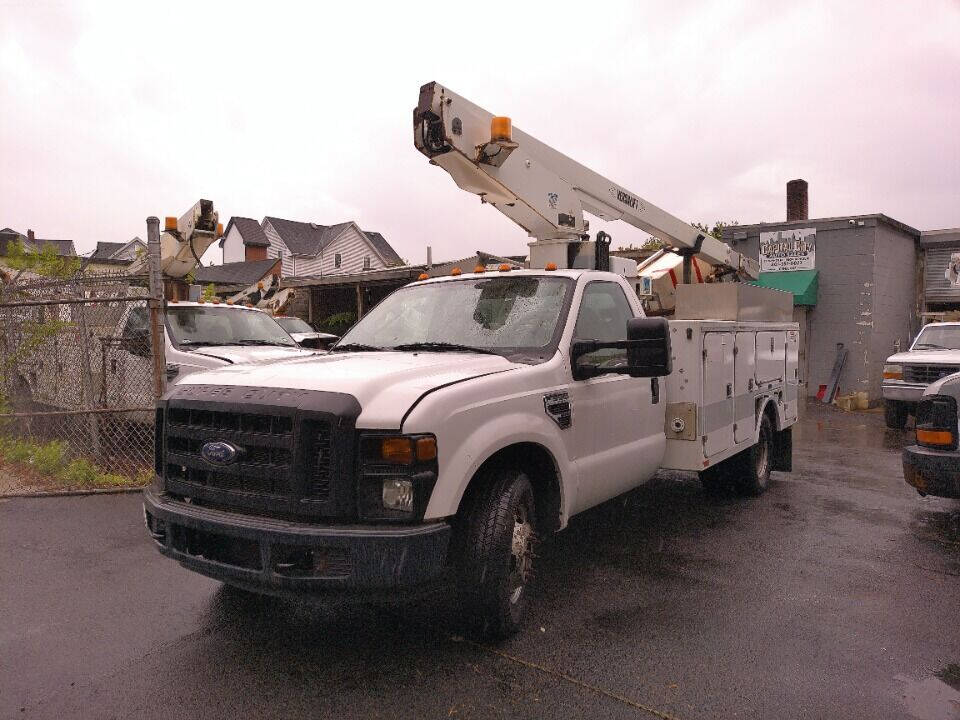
<point>357,347</point>
<point>261,342</point>
<point>198,343</point>
<point>932,346</point>
<point>443,347</point>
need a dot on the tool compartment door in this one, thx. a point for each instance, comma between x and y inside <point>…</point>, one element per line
<point>718,378</point>
<point>792,380</point>
<point>744,408</point>
<point>770,356</point>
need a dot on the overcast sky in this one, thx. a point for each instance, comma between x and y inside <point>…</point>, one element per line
<point>110,112</point>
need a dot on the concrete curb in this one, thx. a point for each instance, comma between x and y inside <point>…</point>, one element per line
<point>71,493</point>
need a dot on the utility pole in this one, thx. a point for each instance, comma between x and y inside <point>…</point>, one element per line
<point>155,303</point>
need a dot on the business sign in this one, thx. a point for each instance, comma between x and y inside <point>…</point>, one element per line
<point>952,273</point>
<point>785,250</point>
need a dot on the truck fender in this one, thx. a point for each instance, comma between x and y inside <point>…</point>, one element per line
<point>487,439</point>
<point>782,459</point>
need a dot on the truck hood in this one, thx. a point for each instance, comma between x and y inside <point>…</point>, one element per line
<point>386,384</point>
<point>234,354</point>
<point>926,357</point>
<point>949,385</point>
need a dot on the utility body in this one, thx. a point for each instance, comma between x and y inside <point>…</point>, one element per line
<point>467,416</point>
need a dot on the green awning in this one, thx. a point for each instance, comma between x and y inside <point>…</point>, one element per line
<point>802,283</point>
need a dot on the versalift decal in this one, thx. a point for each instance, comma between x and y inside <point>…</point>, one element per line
<point>627,199</point>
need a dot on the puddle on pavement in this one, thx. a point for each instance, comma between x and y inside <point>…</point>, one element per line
<point>929,698</point>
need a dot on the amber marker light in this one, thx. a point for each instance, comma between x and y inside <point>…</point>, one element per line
<point>934,437</point>
<point>423,276</point>
<point>170,223</point>
<point>397,449</point>
<point>219,230</point>
<point>426,448</point>
<point>480,268</point>
<point>550,267</point>
<point>505,268</point>
<point>501,128</point>
<point>456,271</point>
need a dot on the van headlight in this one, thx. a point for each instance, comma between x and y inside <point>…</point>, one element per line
<point>397,475</point>
<point>893,372</point>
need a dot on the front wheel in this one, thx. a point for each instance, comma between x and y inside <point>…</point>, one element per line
<point>755,473</point>
<point>497,558</point>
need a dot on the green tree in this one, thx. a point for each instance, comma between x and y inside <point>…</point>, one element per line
<point>717,229</point>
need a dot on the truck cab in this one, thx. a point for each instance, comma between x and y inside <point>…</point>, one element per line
<point>934,354</point>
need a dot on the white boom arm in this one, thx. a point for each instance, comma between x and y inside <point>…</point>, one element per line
<point>541,189</point>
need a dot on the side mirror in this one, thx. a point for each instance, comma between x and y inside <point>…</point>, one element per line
<point>647,352</point>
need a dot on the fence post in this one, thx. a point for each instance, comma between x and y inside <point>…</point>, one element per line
<point>156,307</point>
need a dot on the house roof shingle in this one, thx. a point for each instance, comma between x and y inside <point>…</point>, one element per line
<point>250,230</point>
<point>385,249</point>
<point>106,249</point>
<point>303,238</point>
<point>235,273</point>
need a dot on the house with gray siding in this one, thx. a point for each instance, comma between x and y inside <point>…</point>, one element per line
<point>306,248</point>
<point>310,249</point>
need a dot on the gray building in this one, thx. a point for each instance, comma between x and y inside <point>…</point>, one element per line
<point>855,281</point>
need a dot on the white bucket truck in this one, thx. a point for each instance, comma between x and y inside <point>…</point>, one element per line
<point>465,416</point>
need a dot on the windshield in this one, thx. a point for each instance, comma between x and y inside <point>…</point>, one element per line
<point>294,325</point>
<point>195,326</point>
<point>938,337</point>
<point>500,314</point>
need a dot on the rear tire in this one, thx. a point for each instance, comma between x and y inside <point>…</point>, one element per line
<point>497,554</point>
<point>754,475</point>
<point>895,414</point>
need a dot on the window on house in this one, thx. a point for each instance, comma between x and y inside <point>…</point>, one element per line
<point>336,260</point>
<point>366,262</point>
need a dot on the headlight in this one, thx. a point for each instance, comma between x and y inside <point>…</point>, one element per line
<point>397,475</point>
<point>893,372</point>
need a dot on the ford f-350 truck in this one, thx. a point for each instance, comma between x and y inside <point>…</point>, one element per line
<point>459,420</point>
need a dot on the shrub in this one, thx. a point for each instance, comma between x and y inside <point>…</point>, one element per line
<point>50,457</point>
<point>80,472</point>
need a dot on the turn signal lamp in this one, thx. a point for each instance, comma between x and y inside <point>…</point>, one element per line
<point>480,268</point>
<point>397,449</point>
<point>501,128</point>
<point>170,223</point>
<point>456,271</point>
<point>935,437</point>
<point>423,276</point>
<point>893,372</point>
<point>550,266</point>
<point>505,268</point>
<point>216,301</point>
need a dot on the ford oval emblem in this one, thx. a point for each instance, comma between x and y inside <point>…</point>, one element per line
<point>219,453</point>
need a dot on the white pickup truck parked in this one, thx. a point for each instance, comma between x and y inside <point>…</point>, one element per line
<point>934,354</point>
<point>459,420</point>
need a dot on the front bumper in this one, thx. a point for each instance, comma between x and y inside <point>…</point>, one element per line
<point>277,557</point>
<point>932,472</point>
<point>904,392</point>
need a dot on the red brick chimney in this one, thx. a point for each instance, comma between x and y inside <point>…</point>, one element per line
<point>797,207</point>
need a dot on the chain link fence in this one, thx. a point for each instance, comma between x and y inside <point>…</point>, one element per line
<point>76,384</point>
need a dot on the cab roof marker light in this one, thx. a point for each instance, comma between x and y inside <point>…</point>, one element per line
<point>480,268</point>
<point>169,223</point>
<point>456,271</point>
<point>423,276</point>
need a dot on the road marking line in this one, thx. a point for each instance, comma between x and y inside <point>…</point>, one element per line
<point>568,678</point>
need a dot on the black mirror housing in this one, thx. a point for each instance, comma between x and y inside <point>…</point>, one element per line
<point>648,349</point>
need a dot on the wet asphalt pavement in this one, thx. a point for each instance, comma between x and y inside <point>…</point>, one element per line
<point>835,594</point>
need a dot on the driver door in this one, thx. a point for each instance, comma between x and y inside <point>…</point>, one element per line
<point>620,425</point>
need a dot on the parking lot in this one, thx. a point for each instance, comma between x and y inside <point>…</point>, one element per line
<point>835,594</point>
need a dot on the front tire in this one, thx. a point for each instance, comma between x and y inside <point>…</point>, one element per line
<point>755,473</point>
<point>498,553</point>
<point>895,414</point>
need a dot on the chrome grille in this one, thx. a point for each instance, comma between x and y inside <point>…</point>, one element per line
<point>926,374</point>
